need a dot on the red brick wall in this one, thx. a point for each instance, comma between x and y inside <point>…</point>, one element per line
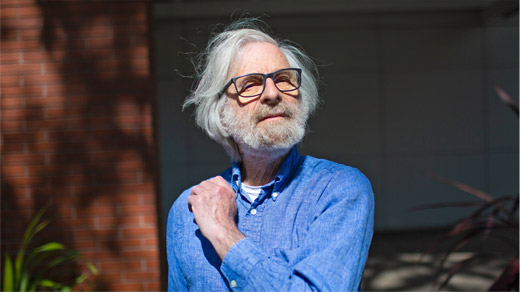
<point>77,129</point>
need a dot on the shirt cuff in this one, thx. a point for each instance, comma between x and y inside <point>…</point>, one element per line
<point>239,262</point>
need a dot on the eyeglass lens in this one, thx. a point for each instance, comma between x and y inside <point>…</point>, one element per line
<point>253,85</point>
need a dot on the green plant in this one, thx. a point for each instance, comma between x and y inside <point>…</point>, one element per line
<point>489,214</point>
<point>31,268</point>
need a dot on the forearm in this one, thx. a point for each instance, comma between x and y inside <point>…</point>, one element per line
<point>223,240</point>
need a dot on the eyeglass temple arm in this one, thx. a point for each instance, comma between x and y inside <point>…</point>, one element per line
<point>225,88</point>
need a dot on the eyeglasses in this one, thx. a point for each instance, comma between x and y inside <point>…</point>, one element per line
<point>251,85</point>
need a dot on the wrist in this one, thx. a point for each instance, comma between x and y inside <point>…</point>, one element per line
<point>224,239</point>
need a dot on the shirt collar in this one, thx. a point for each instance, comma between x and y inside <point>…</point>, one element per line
<point>282,177</point>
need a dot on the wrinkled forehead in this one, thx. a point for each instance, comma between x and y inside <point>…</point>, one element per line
<point>257,57</point>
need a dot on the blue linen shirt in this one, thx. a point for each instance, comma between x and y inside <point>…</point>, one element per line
<point>309,229</point>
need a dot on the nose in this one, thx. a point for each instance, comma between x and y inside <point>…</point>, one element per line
<point>271,94</point>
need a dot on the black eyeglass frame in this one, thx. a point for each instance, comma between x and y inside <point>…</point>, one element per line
<point>269,75</point>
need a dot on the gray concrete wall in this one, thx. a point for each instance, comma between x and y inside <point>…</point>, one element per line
<point>405,94</point>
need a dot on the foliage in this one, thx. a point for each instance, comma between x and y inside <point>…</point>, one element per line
<point>31,268</point>
<point>489,214</point>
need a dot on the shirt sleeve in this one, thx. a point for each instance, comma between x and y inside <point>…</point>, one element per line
<point>332,255</point>
<point>176,279</point>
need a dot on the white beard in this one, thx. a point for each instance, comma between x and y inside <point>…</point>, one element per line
<point>272,136</point>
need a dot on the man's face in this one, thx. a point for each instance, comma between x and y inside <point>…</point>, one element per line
<point>272,121</point>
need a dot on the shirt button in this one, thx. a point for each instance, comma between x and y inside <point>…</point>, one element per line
<point>253,212</point>
<point>233,283</point>
<point>275,195</point>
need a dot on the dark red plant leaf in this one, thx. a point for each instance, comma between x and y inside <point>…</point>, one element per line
<point>490,222</point>
<point>454,270</point>
<point>457,246</point>
<point>447,205</point>
<point>463,187</point>
<point>506,99</point>
<point>508,280</point>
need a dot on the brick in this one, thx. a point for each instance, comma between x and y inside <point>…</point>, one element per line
<point>9,58</point>
<point>21,90</point>
<point>22,181</point>
<point>14,3</point>
<point>12,126</point>
<point>29,11</point>
<point>23,22</point>
<point>16,114</point>
<point>83,244</point>
<point>141,232</point>
<point>13,149</point>
<point>10,69</point>
<point>70,179</point>
<point>51,100</point>
<point>91,31</point>
<point>34,57</point>
<point>59,158</point>
<point>20,159</point>
<point>149,220</point>
<point>133,276</point>
<point>7,81</point>
<point>23,137</point>
<point>30,34</point>
<point>68,169</point>
<point>151,242</point>
<point>11,102</point>
<point>62,112</point>
<point>117,286</point>
<point>34,79</point>
<point>51,125</point>
<point>8,46</point>
<point>125,177</point>
<point>98,211</point>
<point>8,12</point>
<point>154,286</point>
<point>12,171</point>
<point>119,266</point>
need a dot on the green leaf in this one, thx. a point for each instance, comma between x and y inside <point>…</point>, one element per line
<point>8,281</point>
<point>66,289</point>
<point>51,246</point>
<point>48,283</point>
<point>34,285</point>
<point>92,268</point>
<point>34,227</point>
<point>24,281</point>
<point>81,279</point>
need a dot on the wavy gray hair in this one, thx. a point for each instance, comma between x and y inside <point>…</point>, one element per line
<point>213,69</point>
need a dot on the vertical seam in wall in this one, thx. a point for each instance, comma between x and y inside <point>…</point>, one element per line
<point>485,105</point>
<point>382,118</point>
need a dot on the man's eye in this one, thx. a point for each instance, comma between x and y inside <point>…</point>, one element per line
<point>251,83</point>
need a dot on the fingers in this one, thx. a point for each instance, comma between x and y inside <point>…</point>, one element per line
<point>218,180</point>
<point>208,188</point>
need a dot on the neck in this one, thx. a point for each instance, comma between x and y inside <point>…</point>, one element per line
<point>260,167</point>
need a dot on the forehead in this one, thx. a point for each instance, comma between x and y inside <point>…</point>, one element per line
<point>259,57</point>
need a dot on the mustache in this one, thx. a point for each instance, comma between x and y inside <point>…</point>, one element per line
<point>281,109</point>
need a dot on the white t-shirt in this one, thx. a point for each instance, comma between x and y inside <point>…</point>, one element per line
<point>251,192</point>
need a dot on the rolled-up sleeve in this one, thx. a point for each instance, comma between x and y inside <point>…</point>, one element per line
<point>331,256</point>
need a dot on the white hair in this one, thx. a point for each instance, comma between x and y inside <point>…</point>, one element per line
<point>213,69</point>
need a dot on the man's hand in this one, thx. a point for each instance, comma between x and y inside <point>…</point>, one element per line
<point>214,208</point>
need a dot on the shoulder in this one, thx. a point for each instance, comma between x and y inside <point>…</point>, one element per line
<point>323,168</point>
<point>340,181</point>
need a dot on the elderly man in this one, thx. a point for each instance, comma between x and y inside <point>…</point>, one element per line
<point>275,220</point>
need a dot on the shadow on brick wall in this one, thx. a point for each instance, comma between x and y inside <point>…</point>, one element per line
<point>77,129</point>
